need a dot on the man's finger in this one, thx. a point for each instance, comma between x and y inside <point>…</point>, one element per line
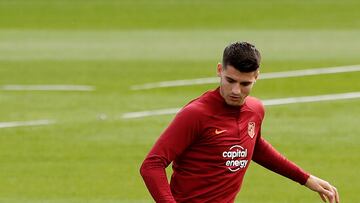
<point>322,197</point>
<point>330,199</point>
<point>329,195</point>
<point>337,198</point>
<point>329,191</point>
<point>333,190</point>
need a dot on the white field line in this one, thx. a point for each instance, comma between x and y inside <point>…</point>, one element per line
<point>140,114</point>
<point>25,123</point>
<point>270,102</point>
<point>285,74</point>
<point>47,88</point>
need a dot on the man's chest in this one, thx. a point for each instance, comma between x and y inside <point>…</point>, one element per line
<point>225,130</point>
<point>226,141</point>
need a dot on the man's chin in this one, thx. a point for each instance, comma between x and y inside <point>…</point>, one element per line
<point>234,103</point>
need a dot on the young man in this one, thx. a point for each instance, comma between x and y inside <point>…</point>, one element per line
<point>212,140</point>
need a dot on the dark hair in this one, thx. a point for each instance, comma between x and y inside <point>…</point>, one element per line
<point>243,56</point>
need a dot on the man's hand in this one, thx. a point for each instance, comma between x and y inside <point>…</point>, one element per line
<point>324,189</point>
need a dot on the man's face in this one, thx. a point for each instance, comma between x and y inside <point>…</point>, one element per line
<point>235,86</point>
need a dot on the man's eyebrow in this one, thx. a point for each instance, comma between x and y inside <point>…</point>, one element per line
<point>242,82</point>
<point>246,83</point>
<point>229,78</point>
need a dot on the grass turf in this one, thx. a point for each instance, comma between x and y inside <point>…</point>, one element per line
<point>114,45</point>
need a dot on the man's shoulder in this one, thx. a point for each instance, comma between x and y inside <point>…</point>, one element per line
<point>255,105</point>
<point>253,101</point>
<point>195,106</point>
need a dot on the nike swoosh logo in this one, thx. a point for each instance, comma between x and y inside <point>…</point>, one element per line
<point>219,131</point>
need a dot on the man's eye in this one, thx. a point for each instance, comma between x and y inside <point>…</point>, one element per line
<point>245,83</point>
<point>230,81</point>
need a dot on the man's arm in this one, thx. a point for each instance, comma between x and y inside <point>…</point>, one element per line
<point>267,156</point>
<point>153,172</point>
<point>174,140</point>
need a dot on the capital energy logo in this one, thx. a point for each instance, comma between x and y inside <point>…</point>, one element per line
<point>236,156</point>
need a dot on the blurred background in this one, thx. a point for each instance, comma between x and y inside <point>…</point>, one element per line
<point>72,71</point>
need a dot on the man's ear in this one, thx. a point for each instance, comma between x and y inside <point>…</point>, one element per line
<point>219,69</point>
<point>257,75</point>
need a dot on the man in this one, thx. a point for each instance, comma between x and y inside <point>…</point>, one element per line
<point>212,140</point>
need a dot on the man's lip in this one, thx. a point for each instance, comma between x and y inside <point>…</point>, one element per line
<point>234,97</point>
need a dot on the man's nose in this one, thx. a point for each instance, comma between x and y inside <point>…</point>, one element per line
<point>236,89</point>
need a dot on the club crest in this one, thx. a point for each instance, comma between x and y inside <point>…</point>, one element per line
<point>251,129</point>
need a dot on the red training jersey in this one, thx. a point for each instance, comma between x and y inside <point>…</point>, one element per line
<point>211,145</point>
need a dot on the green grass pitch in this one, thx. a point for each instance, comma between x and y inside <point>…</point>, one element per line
<point>113,45</point>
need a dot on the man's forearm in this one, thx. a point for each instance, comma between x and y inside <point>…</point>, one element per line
<point>154,175</point>
<point>268,157</point>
